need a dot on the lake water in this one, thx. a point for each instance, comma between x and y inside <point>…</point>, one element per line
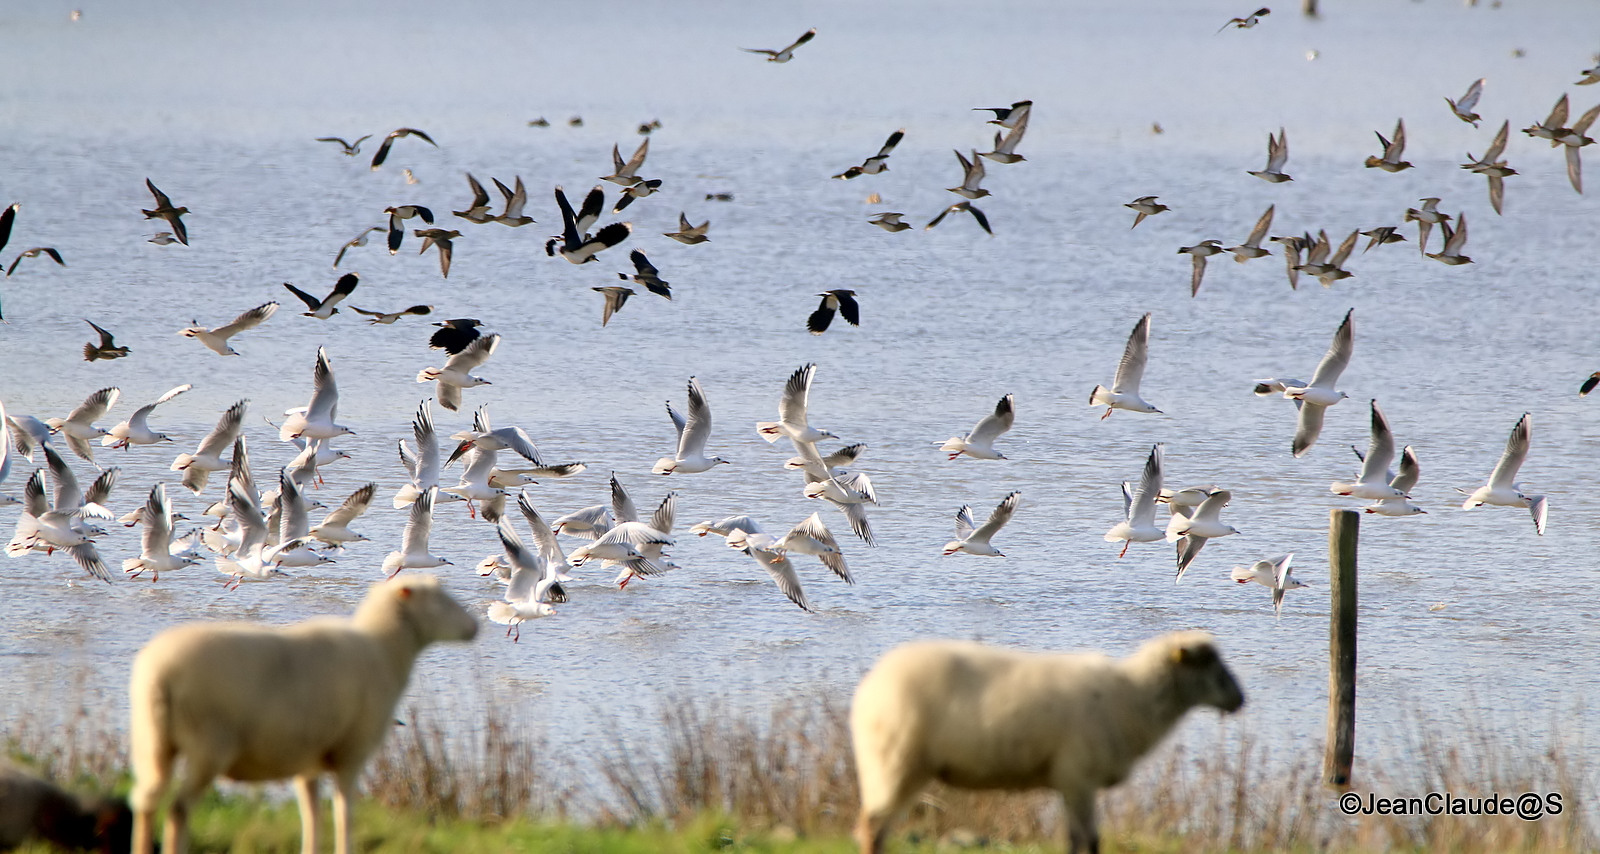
<point>219,108</point>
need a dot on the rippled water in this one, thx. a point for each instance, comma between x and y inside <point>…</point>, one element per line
<point>219,108</point>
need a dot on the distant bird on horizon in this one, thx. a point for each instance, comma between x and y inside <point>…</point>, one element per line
<point>164,209</point>
<point>327,306</point>
<point>1247,21</point>
<point>786,54</point>
<point>106,349</point>
<point>388,141</point>
<point>839,300</point>
<point>351,149</point>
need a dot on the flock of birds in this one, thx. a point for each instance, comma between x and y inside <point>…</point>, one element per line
<point>258,533</point>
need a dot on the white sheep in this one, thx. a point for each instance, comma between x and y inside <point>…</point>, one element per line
<point>34,809</point>
<point>981,717</point>
<point>256,703</point>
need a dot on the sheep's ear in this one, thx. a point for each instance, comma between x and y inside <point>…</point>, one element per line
<point>1194,656</point>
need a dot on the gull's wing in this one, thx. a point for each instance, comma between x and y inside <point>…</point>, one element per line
<point>1409,471</point>
<point>1130,371</point>
<point>814,528</point>
<point>94,407</point>
<point>1307,427</point>
<point>352,508</point>
<point>677,423</point>
<point>295,520</point>
<point>6,456</point>
<point>622,509</point>
<point>781,569</point>
<point>964,524</point>
<point>1000,516</point>
<point>1380,453</point>
<point>543,536</point>
<point>696,429</point>
<point>419,525</point>
<point>408,458</point>
<point>226,430</point>
<point>427,472</point>
<point>68,497</point>
<point>1505,472</point>
<point>666,514</point>
<point>1338,356</point>
<point>1188,549</point>
<point>248,320</point>
<point>474,354</point>
<point>157,537</point>
<point>325,393</point>
<point>1210,510</point>
<point>527,568</point>
<point>856,515</point>
<point>141,416</point>
<point>993,425</point>
<point>1141,508</point>
<point>796,392</point>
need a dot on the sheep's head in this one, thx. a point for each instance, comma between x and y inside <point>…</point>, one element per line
<point>1199,673</point>
<point>425,605</point>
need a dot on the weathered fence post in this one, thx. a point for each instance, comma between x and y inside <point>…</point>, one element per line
<point>1344,529</point>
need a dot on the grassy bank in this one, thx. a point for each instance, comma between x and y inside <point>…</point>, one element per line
<point>706,779</point>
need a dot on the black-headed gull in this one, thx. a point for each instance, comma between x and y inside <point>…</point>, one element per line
<point>136,430</point>
<point>78,427</point>
<point>413,553</point>
<point>532,587</point>
<point>792,421</point>
<point>1402,482</point>
<point>693,429</point>
<point>316,419</point>
<point>785,54</point>
<point>1373,482</point>
<point>978,443</point>
<point>1275,573</point>
<point>1192,531</point>
<point>457,371</point>
<point>1124,391</point>
<point>975,540</point>
<point>474,485</point>
<point>158,552</point>
<point>1502,488</point>
<point>216,340</point>
<point>1314,398</point>
<point>812,537</point>
<point>334,529</point>
<point>198,466</point>
<point>484,435</point>
<point>1139,507</point>
<point>43,527</point>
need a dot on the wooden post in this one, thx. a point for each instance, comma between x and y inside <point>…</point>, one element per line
<point>1344,530</point>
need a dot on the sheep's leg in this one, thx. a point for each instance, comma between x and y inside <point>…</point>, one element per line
<point>150,782</point>
<point>881,805</point>
<point>344,791</point>
<point>1082,835</point>
<point>197,777</point>
<point>305,791</point>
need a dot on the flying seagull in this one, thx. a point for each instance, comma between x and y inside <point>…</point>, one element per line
<point>1502,488</point>
<point>975,540</point>
<point>1124,391</point>
<point>216,339</point>
<point>787,53</point>
<point>978,443</point>
<point>351,149</point>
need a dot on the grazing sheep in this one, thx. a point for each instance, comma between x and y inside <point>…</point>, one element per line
<point>256,703</point>
<point>980,717</point>
<point>32,809</point>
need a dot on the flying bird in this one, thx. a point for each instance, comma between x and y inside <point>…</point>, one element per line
<point>876,163</point>
<point>645,273</point>
<point>689,234</point>
<point>351,149</point>
<point>327,306</point>
<point>1198,254</point>
<point>1005,146</point>
<point>616,297</point>
<point>1463,106</point>
<point>1426,217</point>
<point>456,373</point>
<point>106,349</point>
<point>359,240</point>
<point>398,214</point>
<point>1492,167</point>
<point>55,256</point>
<point>1502,488</point>
<point>1139,507</point>
<point>216,340</point>
<point>454,335</point>
<point>1124,391</point>
<point>1392,150</point>
<point>136,430</point>
<point>165,210</point>
<point>975,540</point>
<point>316,420</point>
<point>1274,572</point>
<point>786,54</point>
<point>693,429</point>
<point>840,300</point>
<point>478,211</point>
<point>971,177</point>
<point>575,243</point>
<point>1247,21</point>
<point>889,221</point>
<point>414,553</point>
<point>1251,247</point>
<point>1454,240</point>
<point>1145,206</point>
<point>1192,531</point>
<point>978,443</point>
<point>623,172</point>
<point>1277,156</point>
<point>388,317</point>
<point>441,239</point>
<point>516,200</point>
<point>962,207</point>
<point>397,133</point>
<point>78,427</point>
<point>1314,398</point>
<point>1007,117</point>
<point>198,466</point>
<point>1372,484</point>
